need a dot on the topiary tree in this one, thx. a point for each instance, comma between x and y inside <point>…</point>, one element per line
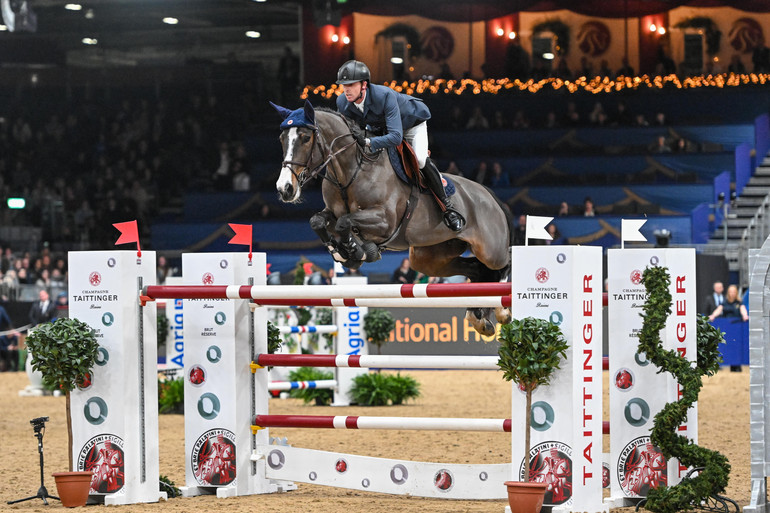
<point>712,479</point>
<point>378,324</point>
<point>64,352</point>
<point>530,351</point>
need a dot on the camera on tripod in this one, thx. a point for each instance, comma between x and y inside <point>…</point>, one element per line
<point>38,423</point>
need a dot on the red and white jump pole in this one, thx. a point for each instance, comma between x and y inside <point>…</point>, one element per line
<point>319,384</point>
<point>377,361</point>
<point>405,423</point>
<point>269,292</point>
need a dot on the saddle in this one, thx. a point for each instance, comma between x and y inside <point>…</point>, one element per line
<point>411,167</point>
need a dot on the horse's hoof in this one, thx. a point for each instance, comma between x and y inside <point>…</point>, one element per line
<point>488,329</point>
<point>371,251</point>
<point>353,264</point>
<point>503,315</point>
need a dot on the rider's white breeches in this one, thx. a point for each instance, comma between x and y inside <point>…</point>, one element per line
<point>417,136</point>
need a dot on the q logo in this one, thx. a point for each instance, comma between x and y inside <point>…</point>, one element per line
<point>637,412</point>
<point>95,411</point>
<point>214,354</point>
<point>110,262</point>
<point>542,416</point>
<point>223,264</point>
<point>220,318</point>
<point>556,318</point>
<point>102,357</point>
<point>641,359</point>
<point>561,258</point>
<point>654,260</point>
<point>108,319</point>
<point>208,406</point>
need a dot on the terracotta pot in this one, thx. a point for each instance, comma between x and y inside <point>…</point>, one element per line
<point>525,497</point>
<point>73,487</point>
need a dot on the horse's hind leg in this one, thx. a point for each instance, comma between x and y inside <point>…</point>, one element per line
<point>445,260</point>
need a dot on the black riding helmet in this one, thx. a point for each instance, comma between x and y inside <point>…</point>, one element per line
<point>351,72</point>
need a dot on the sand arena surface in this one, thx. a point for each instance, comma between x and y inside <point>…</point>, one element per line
<point>723,425</point>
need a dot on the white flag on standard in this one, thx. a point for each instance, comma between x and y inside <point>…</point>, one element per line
<point>536,227</point>
<point>629,230</point>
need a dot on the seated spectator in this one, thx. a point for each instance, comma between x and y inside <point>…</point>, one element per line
<point>499,178</point>
<point>660,119</point>
<point>550,120</point>
<point>660,145</point>
<point>520,231</point>
<point>480,174</point>
<point>588,207</point>
<point>556,237</point>
<point>626,70</point>
<point>571,117</point>
<point>564,209</point>
<point>404,273</point>
<point>457,119</point>
<point>640,120</point>
<point>595,115</point>
<point>498,120</point>
<point>520,120</point>
<point>452,169</point>
<point>477,120</point>
<point>586,67</point>
<point>622,117</point>
<point>736,65</point>
<point>9,346</point>
<point>604,69</point>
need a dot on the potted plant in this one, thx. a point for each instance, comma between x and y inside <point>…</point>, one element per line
<point>530,351</point>
<point>64,352</point>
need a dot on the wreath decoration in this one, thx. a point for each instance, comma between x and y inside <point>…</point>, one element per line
<point>559,29</point>
<point>712,33</point>
<point>402,29</point>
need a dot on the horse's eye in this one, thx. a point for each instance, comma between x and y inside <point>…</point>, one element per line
<point>305,137</point>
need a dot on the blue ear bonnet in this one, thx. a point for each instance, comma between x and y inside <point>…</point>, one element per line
<point>304,117</point>
<point>297,118</point>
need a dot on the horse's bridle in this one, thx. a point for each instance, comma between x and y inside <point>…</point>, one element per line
<point>304,175</point>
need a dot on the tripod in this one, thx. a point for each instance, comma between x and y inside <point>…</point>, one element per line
<point>42,493</point>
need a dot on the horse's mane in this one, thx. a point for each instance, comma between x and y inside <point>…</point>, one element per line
<point>352,125</point>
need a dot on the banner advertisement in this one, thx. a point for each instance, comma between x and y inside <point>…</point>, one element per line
<point>218,380</point>
<point>351,340</point>
<point>636,391</point>
<point>175,338</point>
<point>563,284</point>
<point>115,414</point>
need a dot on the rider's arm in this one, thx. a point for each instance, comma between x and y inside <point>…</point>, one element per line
<point>394,131</point>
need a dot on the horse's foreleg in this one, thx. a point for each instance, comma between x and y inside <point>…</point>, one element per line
<point>359,228</point>
<point>320,223</point>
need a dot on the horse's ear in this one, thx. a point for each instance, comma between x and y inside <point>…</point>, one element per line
<point>283,111</point>
<point>309,112</point>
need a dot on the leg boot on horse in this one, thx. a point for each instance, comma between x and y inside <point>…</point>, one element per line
<point>452,218</point>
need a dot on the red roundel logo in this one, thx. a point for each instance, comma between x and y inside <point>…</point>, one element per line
<point>94,278</point>
<point>636,276</point>
<point>594,38</point>
<point>746,35</point>
<point>437,43</point>
<point>208,279</point>
<point>443,480</point>
<point>542,275</point>
<point>624,380</point>
<point>341,466</point>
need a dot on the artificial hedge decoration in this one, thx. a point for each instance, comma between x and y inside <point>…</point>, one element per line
<point>712,480</point>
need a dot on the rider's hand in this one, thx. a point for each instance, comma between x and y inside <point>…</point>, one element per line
<point>360,139</point>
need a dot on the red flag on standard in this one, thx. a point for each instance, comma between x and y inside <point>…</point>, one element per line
<point>129,232</point>
<point>242,235</point>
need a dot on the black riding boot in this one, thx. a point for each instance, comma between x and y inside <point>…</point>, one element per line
<point>452,218</point>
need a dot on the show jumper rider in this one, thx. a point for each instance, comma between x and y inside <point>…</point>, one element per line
<point>400,116</point>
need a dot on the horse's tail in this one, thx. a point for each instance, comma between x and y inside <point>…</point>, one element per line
<point>508,214</point>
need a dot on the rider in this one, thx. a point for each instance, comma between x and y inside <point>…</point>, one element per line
<point>402,116</point>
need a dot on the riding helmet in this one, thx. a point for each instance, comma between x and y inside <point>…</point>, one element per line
<point>351,72</point>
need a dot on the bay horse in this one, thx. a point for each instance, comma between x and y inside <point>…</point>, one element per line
<point>368,208</point>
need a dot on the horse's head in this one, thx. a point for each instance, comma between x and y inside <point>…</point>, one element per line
<point>298,139</point>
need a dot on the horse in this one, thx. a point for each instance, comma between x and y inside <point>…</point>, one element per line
<point>369,209</point>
